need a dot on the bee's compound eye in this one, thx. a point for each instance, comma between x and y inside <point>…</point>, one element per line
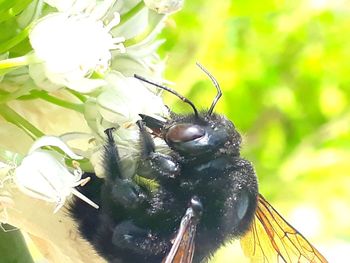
<point>184,133</point>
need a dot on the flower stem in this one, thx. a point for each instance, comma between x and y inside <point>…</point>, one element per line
<point>54,100</point>
<point>7,45</point>
<point>7,96</point>
<point>79,96</point>
<point>11,116</point>
<point>18,61</point>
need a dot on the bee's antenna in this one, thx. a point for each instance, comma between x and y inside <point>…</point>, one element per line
<point>217,86</point>
<point>184,99</point>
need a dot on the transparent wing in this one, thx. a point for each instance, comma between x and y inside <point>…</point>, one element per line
<point>272,239</point>
<point>183,247</point>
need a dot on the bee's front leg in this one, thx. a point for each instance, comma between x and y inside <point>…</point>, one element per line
<point>122,190</point>
<point>155,165</point>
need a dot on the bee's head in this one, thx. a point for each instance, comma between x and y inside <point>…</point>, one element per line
<point>201,136</point>
<point>197,134</point>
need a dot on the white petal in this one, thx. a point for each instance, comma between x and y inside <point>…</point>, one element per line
<point>125,98</point>
<point>41,176</point>
<point>91,114</point>
<point>133,26</point>
<point>101,8</point>
<point>145,48</point>
<point>128,65</point>
<point>54,141</point>
<point>85,85</point>
<point>67,42</point>
<point>115,103</point>
<point>68,46</point>
<point>38,73</point>
<point>71,5</point>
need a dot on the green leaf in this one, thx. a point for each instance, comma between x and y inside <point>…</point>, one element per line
<point>10,43</point>
<point>9,9</point>
<point>13,247</point>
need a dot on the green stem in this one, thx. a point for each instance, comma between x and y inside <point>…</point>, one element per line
<point>79,96</point>
<point>7,45</point>
<point>137,8</point>
<point>13,117</point>
<point>18,61</point>
<point>62,103</point>
<point>7,96</point>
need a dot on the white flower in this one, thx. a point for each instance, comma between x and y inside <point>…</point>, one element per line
<point>43,175</point>
<point>97,8</point>
<point>71,48</point>
<point>125,98</point>
<point>141,56</point>
<point>71,5</point>
<point>120,104</point>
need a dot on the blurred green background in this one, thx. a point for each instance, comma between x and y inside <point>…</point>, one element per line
<point>284,67</point>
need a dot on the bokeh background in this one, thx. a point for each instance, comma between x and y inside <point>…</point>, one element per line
<point>284,68</point>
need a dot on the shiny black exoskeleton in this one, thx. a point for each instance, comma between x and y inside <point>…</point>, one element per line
<point>137,220</point>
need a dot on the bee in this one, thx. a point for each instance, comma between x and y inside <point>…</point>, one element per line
<point>184,204</point>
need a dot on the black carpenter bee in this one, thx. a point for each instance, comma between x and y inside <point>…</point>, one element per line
<point>181,206</point>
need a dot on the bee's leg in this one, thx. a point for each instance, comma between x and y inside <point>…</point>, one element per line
<point>123,190</point>
<point>134,241</point>
<point>152,123</point>
<point>155,165</point>
<point>144,245</point>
